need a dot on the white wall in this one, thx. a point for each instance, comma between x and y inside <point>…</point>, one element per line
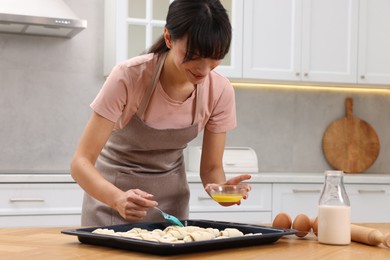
<point>46,86</point>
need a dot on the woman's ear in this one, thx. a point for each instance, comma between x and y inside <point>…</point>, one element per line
<point>167,38</point>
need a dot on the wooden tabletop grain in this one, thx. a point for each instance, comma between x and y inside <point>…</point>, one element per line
<point>49,243</point>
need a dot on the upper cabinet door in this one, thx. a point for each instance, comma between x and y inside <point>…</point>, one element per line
<point>329,40</point>
<point>322,41</point>
<point>374,42</point>
<point>309,40</point>
<point>272,39</point>
<point>231,65</point>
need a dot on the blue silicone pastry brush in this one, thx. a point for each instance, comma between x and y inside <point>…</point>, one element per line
<point>172,219</point>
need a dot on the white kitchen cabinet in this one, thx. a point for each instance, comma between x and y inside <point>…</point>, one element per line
<point>232,63</point>
<point>308,40</point>
<point>329,40</point>
<point>272,36</point>
<point>40,204</point>
<point>374,42</point>
<point>295,199</point>
<point>334,41</point>
<point>367,200</point>
<point>294,193</point>
<point>255,210</point>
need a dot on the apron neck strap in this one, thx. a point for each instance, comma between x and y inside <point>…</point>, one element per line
<point>152,85</point>
<point>197,105</point>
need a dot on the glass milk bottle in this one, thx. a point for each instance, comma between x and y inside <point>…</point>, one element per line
<point>334,211</point>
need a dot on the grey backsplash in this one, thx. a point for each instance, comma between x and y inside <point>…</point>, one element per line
<point>47,84</point>
<point>285,127</point>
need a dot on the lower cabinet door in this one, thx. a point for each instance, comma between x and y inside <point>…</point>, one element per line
<point>236,217</point>
<point>295,199</point>
<point>254,210</point>
<point>369,202</point>
<point>40,204</point>
<point>26,221</point>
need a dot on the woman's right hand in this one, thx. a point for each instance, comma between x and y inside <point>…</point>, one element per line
<point>133,204</point>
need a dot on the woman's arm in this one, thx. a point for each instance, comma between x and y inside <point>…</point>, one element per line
<point>211,166</point>
<point>130,204</point>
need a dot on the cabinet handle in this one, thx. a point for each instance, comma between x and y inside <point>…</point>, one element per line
<point>14,200</point>
<point>305,191</point>
<point>297,74</point>
<point>371,191</point>
<point>362,77</point>
<point>204,198</point>
<point>306,74</point>
<point>229,164</point>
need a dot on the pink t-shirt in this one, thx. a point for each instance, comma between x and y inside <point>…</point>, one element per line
<point>121,95</point>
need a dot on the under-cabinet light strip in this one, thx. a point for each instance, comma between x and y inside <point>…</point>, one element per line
<point>313,88</point>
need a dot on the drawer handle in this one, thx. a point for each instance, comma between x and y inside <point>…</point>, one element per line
<point>14,200</point>
<point>204,198</point>
<point>230,164</point>
<point>371,191</point>
<point>306,191</point>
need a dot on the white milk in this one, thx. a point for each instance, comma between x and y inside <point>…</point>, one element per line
<point>334,225</point>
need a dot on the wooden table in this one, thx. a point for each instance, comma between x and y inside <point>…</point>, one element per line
<point>49,243</point>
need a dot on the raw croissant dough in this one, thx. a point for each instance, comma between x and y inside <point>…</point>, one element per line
<point>175,234</point>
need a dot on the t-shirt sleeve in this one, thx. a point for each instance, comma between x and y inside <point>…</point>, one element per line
<point>223,116</point>
<point>112,97</point>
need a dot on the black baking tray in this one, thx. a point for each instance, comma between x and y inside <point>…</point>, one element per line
<point>269,235</point>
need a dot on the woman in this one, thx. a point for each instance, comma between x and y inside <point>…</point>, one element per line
<point>130,156</point>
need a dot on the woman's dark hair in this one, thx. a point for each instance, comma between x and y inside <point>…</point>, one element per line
<point>206,24</point>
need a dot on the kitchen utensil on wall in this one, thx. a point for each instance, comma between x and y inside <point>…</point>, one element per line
<point>350,144</point>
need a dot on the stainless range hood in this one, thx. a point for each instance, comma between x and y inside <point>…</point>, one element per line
<point>39,17</point>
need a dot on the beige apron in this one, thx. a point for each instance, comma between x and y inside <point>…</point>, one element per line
<point>142,157</point>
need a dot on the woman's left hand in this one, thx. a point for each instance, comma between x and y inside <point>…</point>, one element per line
<point>234,181</point>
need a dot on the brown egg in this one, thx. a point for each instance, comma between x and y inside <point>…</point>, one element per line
<point>302,224</point>
<point>314,226</point>
<point>282,220</point>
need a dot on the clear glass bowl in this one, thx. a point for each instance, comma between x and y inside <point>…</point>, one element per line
<point>227,193</point>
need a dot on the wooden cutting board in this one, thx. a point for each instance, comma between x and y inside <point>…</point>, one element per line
<point>350,144</point>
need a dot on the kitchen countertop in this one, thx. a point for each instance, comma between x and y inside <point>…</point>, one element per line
<point>35,177</point>
<point>275,177</point>
<point>63,177</point>
<point>49,243</point>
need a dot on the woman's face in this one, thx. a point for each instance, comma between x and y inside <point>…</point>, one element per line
<point>194,70</point>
